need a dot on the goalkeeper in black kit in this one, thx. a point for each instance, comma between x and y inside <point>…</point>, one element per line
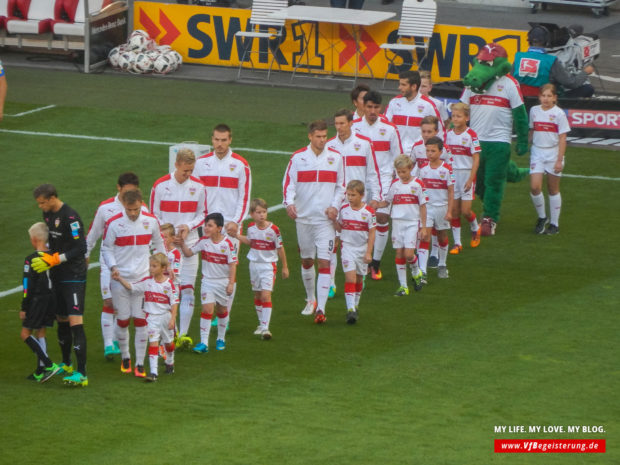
<point>66,259</point>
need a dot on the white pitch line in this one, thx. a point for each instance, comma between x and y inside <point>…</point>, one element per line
<point>23,113</point>
<point>580,176</point>
<point>17,289</point>
<point>606,78</point>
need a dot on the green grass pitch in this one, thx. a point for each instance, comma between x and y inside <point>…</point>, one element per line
<point>525,331</point>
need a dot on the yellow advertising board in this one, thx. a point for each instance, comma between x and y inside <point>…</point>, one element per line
<point>206,35</point>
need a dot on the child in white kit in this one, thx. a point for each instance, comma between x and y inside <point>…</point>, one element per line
<point>161,301</point>
<point>265,243</point>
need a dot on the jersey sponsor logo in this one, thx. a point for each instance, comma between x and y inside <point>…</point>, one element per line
<point>75,230</point>
<point>156,297</point>
<point>354,225</point>
<point>259,244</point>
<point>430,183</point>
<point>545,127</point>
<point>405,199</point>
<point>529,67</point>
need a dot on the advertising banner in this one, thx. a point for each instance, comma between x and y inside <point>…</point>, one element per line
<point>206,35</point>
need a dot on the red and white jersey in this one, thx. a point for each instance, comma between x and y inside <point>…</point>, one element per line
<point>436,182</point>
<point>359,162</point>
<point>385,142</point>
<point>547,126</point>
<point>127,244</point>
<point>407,115</point>
<point>216,257</point>
<point>264,243</point>
<point>406,199</point>
<point>174,260</point>
<point>314,183</point>
<point>228,182</point>
<point>179,204</point>
<point>356,224</point>
<point>491,112</point>
<point>106,210</point>
<point>462,147</point>
<point>441,107</point>
<point>418,155</point>
<point>158,297</point>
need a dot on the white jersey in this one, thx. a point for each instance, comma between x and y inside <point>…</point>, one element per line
<point>436,182</point>
<point>359,162</point>
<point>418,155</point>
<point>174,260</point>
<point>158,297</point>
<point>491,112</point>
<point>314,183</point>
<point>407,115</point>
<point>406,199</point>
<point>216,257</point>
<point>441,107</point>
<point>228,182</point>
<point>179,204</point>
<point>462,147</point>
<point>547,126</point>
<point>106,210</point>
<point>356,224</point>
<point>127,244</point>
<point>264,243</point>
<point>385,142</point>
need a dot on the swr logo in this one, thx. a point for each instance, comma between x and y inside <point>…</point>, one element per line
<point>529,67</point>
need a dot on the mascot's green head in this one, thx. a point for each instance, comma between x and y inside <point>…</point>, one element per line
<point>490,64</point>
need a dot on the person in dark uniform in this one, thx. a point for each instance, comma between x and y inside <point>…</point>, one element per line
<point>37,310</point>
<point>67,244</point>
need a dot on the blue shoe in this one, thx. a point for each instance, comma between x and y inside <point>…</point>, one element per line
<point>117,348</point>
<point>433,262</point>
<point>220,344</point>
<point>332,292</point>
<point>76,379</point>
<point>214,321</point>
<point>201,348</point>
<point>108,352</point>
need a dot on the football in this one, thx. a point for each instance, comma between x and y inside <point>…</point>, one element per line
<point>138,40</point>
<point>113,56</point>
<point>126,60</point>
<point>163,65</point>
<point>144,63</point>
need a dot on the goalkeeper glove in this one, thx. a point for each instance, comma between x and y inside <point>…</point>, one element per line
<point>45,261</point>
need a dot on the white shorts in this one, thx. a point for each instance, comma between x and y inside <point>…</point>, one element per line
<point>315,240</point>
<point>157,327</point>
<point>262,275</point>
<point>461,177</point>
<point>543,160</point>
<point>104,279</point>
<point>436,216</point>
<point>404,234</point>
<point>189,270</point>
<point>352,259</point>
<point>128,304</point>
<point>214,291</point>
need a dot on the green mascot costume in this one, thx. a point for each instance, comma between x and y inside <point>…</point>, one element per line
<point>496,104</point>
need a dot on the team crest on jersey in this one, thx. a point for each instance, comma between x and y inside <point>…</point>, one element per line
<point>357,146</point>
<point>382,131</point>
<point>500,88</point>
<point>145,223</point>
<point>269,237</point>
<point>166,291</point>
<point>192,190</point>
<point>420,108</point>
<point>56,222</point>
<point>364,217</point>
<point>442,175</point>
<point>551,117</point>
<point>331,160</point>
<point>232,167</point>
<point>223,248</point>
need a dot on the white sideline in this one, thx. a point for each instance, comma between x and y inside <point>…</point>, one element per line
<point>23,113</point>
<point>17,289</point>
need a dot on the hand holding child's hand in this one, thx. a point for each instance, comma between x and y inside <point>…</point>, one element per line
<point>116,275</point>
<point>232,229</point>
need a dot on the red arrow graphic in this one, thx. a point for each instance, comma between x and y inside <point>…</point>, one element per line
<point>372,48</point>
<point>349,49</point>
<point>149,25</point>
<point>171,31</point>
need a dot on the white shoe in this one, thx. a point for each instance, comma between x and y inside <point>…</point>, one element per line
<point>259,330</point>
<point>266,335</point>
<point>309,308</point>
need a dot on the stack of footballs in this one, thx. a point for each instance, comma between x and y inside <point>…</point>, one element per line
<point>141,55</point>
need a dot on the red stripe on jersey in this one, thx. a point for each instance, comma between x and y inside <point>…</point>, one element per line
<point>187,206</point>
<point>214,258</point>
<point>490,100</point>
<point>156,297</point>
<point>399,120</point>
<point>405,199</point>
<point>228,182</point>
<point>431,183</point>
<point>381,145</point>
<point>262,245</point>
<point>354,225</point>
<point>545,127</point>
<point>169,206</point>
<point>124,241</point>
<point>353,160</point>
<point>209,181</point>
<point>328,176</point>
<point>459,150</point>
<point>306,176</point>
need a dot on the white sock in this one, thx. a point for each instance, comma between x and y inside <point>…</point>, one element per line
<point>222,322</point>
<point>555,205</point>
<point>141,343</point>
<point>186,310</point>
<point>381,238</point>
<point>205,327</point>
<point>122,336</point>
<point>539,204</point>
<point>456,234</point>
<point>333,264</point>
<point>309,278</point>
<point>443,253</point>
<point>322,289</point>
<point>153,358</point>
<point>473,223</point>
<point>349,295</point>
<point>401,271</point>
<point>107,327</point>
<point>169,353</point>
<point>258,305</point>
<point>423,256</point>
<point>434,246</point>
<point>266,318</point>
<point>414,266</point>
